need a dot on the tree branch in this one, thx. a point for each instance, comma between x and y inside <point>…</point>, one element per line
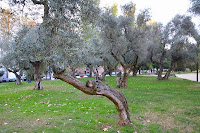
<point>98,88</point>
<point>117,59</point>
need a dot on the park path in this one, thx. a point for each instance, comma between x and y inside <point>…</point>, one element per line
<point>189,76</point>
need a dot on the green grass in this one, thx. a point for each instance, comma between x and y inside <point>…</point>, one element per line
<point>155,107</point>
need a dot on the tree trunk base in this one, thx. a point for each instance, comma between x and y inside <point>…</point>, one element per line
<point>38,85</point>
<point>18,81</point>
<point>116,97</point>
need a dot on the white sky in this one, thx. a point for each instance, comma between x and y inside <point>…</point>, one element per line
<point>161,10</point>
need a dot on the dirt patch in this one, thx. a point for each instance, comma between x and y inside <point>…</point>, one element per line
<point>194,86</point>
<point>166,121</point>
<point>157,118</point>
<point>46,88</point>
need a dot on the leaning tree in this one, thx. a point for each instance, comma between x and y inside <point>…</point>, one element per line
<point>57,38</point>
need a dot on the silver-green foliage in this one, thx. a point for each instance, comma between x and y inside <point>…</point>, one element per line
<point>123,39</point>
<point>181,35</point>
<point>195,8</point>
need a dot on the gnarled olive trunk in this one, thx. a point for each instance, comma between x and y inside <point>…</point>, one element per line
<point>135,69</point>
<point>160,72</point>
<point>103,78</point>
<point>161,67</point>
<point>124,79</point>
<point>106,71</point>
<point>37,77</point>
<point>166,77</point>
<point>98,88</point>
<point>18,79</point>
<point>18,76</point>
<point>118,80</point>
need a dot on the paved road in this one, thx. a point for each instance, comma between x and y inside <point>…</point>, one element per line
<point>189,76</point>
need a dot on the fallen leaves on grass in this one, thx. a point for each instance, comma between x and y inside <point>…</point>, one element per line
<point>106,128</point>
<point>29,96</point>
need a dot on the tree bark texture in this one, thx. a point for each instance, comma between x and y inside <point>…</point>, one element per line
<point>37,77</point>
<point>166,77</point>
<point>96,87</point>
<point>161,66</point>
<point>106,71</point>
<point>118,80</point>
<point>124,79</point>
<point>103,78</point>
<point>160,72</point>
<point>18,77</point>
<point>135,69</point>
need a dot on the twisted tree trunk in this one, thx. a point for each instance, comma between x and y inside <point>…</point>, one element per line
<point>124,79</point>
<point>37,77</point>
<point>18,77</point>
<point>166,77</point>
<point>160,72</point>
<point>118,80</point>
<point>98,88</point>
<point>135,69</point>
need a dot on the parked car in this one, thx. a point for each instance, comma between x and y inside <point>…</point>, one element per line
<point>12,80</point>
<point>1,81</point>
<point>78,77</point>
<point>48,78</point>
<point>23,78</point>
<point>83,75</point>
<point>6,80</point>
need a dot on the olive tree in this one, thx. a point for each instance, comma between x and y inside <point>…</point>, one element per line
<point>180,30</point>
<point>177,34</point>
<point>57,38</point>
<point>30,48</point>
<point>125,39</point>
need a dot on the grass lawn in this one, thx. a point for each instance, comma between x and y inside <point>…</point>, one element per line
<point>155,107</point>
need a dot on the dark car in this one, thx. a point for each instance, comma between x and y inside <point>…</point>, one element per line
<point>12,80</point>
<point>6,80</point>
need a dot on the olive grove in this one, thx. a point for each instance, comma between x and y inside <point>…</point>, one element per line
<point>74,33</point>
<point>57,39</point>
